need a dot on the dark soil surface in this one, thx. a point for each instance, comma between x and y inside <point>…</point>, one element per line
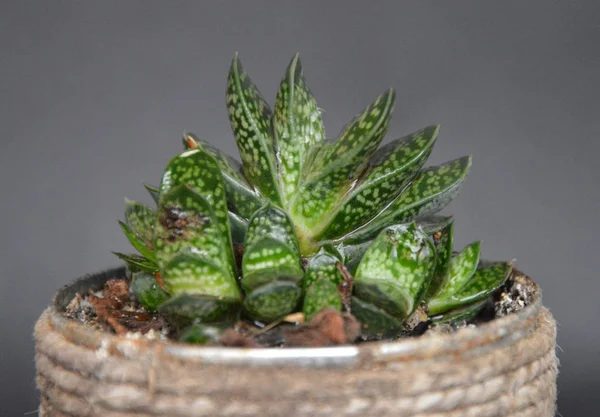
<point>112,309</point>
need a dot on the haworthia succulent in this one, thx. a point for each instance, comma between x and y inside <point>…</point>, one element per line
<point>395,271</point>
<point>390,169</point>
<point>486,279</point>
<point>321,282</point>
<point>242,199</point>
<point>465,312</point>
<point>443,246</point>
<point>251,121</point>
<point>271,265</point>
<point>185,310</point>
<point>187,223</point>
<point>334,169</point>
<point>429,192</point>
<point>137,263</point>
<point>298,126</point>
<point>140,219</point>
<point>137,242</point>
<point>199,170</point>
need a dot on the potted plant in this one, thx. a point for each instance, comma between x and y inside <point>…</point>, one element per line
<point>313,279</point>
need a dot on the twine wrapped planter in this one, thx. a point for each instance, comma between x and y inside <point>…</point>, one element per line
<point>506,367</point>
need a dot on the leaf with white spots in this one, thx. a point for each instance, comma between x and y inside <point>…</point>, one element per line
<point>460,270</point>
<point>321,282</point>
<point>199,170</point>
<point>242,199</point>
<point>271,265</point>
<point>146,291</point>
<point>487,278</point>
<point>338,165</point>
<point>251,121</point>
<point>192,274</point>
<point>298,126</point>
<point>140,219</point>
<point>443,246</point>
<point>187,223</point>
<point>390,170</point>
<point>431,190</point>
<point>187,309</point>
<point>395,271</point>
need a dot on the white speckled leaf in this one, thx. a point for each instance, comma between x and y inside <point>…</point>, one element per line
<point>242,199</point>
<point>298,126</point>
<point>251,121</point>
<point>140,219</point>
<point>444,244</point>
<point>396,269</point>
<point>337,166</point>
<point>199,170</point>
<point>390,169</point>
<point>431,190</point>
<point>321,282</point>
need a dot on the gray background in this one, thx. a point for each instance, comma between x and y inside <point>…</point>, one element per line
<point>95,95</point>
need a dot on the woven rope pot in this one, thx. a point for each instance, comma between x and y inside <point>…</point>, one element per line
<point>506,367</point>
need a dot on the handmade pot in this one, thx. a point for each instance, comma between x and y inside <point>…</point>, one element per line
<point>506,367</point>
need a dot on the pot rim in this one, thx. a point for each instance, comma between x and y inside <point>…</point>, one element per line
<point>465,342</point>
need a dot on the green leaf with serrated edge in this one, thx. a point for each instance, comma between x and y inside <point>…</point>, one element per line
<point>199,170</point>
<point>136,262</point>
<point>390,169</point>
<point>460,270</point>
<point>153,191</point>
<point>443,247</point>
<point>459,314</point>
<point>146,291</point>
<point>190,273</point>
<point>396,270</point>
<point>298,126</point>
<point>140,219</point>
<point>251,122</point>
<point>334,169</point>
<point>242,199</point>
<point>321,294</point>
<point>430,192</point>
<point>186,222</point>
<point>273,301</point>
<point>137,243</point>
<point>487,278</point>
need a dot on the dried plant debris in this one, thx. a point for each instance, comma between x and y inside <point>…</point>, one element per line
<point>112,309</point>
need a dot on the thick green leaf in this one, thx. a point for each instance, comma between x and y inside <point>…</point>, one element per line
<point>375,322</point>
<point>136,262</point>
<point>199,170</point>
<point>140,219</point>
<point>396,270</point>
<point>443,247</point>
<point>242,199</point>
<point>190,273</point>
<point>238,228</point>
<point>137,242</point>
<point>153,191</point>
<point>486,279</point>
<point>147,292</point>
<point>460,314</point>
<point>321,282</point>
<point>298,126</point>
<point>390,169</point>
<point>336,167</point>
<point>431,191</point>
<point>433,224</point>
<point>187,309</point>
<point>187,223</point>
<point>200,334</point>
<point>461,269</point>
<point>251,121</point>
<point>271,265</point>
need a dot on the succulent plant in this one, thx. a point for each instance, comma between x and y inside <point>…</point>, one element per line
<point>303,222</point>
